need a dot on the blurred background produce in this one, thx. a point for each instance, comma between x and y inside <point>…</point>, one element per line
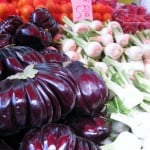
<point>101,67</point>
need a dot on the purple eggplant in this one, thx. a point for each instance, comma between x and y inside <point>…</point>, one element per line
<point>84,144</point>
<point>46,37</point>
<point>55,136</point>
<point>50,95</point>
<point>5,39</point>
<point>28,34</point>
<point>15,58</point>
<point>94,128</point>
<point>93,92</point>
<point>42,18</point>
<point>54,56</point>
<point>10,24</point>
<point>61,87</point>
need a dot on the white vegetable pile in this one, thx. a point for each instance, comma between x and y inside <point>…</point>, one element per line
<point>123,60</point>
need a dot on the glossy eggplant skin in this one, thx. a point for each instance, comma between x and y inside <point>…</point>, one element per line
<point>8,28</point>
<point>55,136</point>
<point>10,24</point>
<point>42,18</point>
<point>49,95</point>
<point>50,135</point>
<point>5,39</point>
<point>46,37</point>
<point>84,144</point>
<point>54,56</point>
<point>29,34</point>
<point>93,92</point>
<point>94,128</point>
<point>14,59</point>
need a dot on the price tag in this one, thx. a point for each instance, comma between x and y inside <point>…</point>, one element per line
<point>82,9</point>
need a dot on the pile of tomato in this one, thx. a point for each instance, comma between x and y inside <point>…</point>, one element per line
<point>57,8</point>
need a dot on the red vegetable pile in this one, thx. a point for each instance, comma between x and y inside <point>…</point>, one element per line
<point>131,17</point>
<point>42,90</point>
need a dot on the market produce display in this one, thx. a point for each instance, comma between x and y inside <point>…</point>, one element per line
<point>122,59</point>
<point>37,33</point>
<point>42,88</point>
<point>74,85</point>
<point>57,8</point>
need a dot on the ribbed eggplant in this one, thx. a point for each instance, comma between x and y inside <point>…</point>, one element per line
<point>94,128</point>
<point>54,56</point>
<point>35,96</point>
<point>44,87</point>
<point>63,88</point>
<point>93,92</point>
<point>46,37</point>
<point>28,34</point>
<point>8,28</point>
<point>14,59</point>
<point>5,39</point>
<point>55,136</point>
<point>84,144</point>
<point>10,24</point>
<point>42,18</point>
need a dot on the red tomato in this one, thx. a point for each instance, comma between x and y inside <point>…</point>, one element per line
<point>95,8</point>
<point>51,6</point>
<point>101,8</point>
<point>60,17</point>
<point>38,2</point>
<point>41,6</point>
<point>106,16</point>
<point>12,9</point>
<point>66,8</point>
<point>108,9</point>
<point>4,10</point>
<point>98,7</point>
<point>24,2</point>
<point>4,1</point>
<point>26,10</point>
<point>97,16</point>
<point>14,3</point>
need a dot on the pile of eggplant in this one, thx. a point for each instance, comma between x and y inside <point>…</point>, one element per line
<point>47,101</point>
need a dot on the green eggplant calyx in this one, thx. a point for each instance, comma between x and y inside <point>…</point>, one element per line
<point>28,72</point>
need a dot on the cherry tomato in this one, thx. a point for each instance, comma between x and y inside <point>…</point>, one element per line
<point>101,8</point>
<point>24,2</point>
<point>108,9</point>
<point>38,2</point>
<point>26,10</point>
<point>98,7</point>
<point>60,17</point>
<point>97,16</point>
<point>95,8</point>
<point>51,6</point>
<point>12,9</point>
<point>4,10</point>
<point>41,6</point>
<point>66,8</point>
<point>106,16</point>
